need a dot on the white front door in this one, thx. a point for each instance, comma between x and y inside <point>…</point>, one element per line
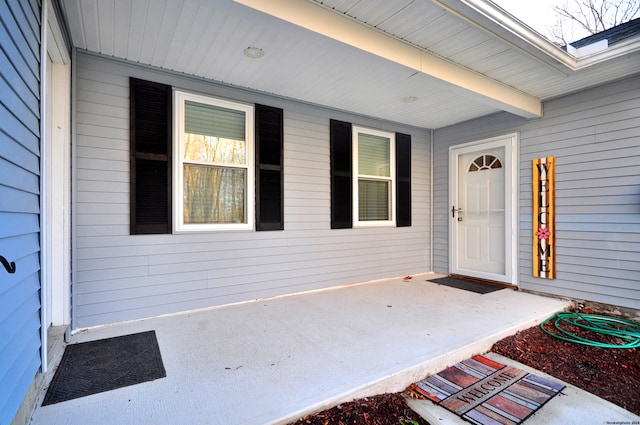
<point>482,194</point>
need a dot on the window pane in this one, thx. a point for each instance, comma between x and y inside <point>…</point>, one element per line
<point>373,155</point>
<point>214,149</point>
<point>216,121</point>
<point>214,195</point>
<point>485,162</point>
<point>373,200</point>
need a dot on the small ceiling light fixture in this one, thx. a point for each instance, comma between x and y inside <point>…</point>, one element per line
<point>409,99</point>
<point>254,52</point>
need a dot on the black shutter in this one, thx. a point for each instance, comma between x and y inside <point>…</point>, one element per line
<point>269,168</point>
<point>150,157</point>
<point>403,180</point>
<point>341,175</point>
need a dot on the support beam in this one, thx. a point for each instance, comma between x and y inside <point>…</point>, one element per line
<point>341,28</point>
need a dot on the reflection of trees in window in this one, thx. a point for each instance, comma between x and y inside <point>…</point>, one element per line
<point>485,162</point>
<point>213,149</point>
<point>214,193</point>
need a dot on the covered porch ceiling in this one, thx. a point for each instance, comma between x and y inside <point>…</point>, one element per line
<point>427,63</point>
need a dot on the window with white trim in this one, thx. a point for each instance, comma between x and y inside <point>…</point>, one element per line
<point>213,172</point>
<point>374,177</point>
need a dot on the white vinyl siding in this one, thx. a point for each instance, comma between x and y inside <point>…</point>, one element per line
<point>121,276</point>
<point>594,136</point>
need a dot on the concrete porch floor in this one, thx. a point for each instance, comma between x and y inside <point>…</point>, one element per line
<point>272,361</point>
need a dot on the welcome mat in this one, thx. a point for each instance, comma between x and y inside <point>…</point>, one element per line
<point>486,392</point>
<point>107,364</point>
<point>467,285</point>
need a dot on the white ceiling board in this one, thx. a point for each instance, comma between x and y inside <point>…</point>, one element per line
<point>122,14</point>
<point>106,32</point>
<point>377,13</point>
<point>206,38</point>
<point>464,41</point>
<point>368,39</point>
<point>481,56</point>
<point>90,18</point>
<point>423,29</point>
<point>143,37</point>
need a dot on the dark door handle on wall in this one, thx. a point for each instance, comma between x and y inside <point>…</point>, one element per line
<point>10,266</point>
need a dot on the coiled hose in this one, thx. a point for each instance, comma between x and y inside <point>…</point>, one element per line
<point>627,330</point>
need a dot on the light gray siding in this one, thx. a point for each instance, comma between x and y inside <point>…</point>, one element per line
<point>120,277</point>
<point>595,137</point>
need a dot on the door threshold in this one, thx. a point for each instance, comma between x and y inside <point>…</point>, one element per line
<point>484,281</point>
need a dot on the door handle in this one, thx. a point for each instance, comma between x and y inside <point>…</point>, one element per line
<point>10,266</point>
<point>454,210</point>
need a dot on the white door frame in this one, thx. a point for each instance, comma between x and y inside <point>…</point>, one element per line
<point>510,144</point>
<point>55,169</point>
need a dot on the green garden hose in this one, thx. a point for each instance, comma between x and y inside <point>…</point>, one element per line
<point>626,330</point>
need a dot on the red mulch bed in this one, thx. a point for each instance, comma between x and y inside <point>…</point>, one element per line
<point>611,374</point>
<point>383,409</point>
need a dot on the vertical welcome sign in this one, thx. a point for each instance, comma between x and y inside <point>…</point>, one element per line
<point>544,226</point>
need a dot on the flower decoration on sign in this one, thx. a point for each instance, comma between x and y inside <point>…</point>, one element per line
<point>543,233</point>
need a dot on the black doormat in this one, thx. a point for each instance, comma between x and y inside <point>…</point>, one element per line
<point>467,285</point>
<point>96,366</point>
